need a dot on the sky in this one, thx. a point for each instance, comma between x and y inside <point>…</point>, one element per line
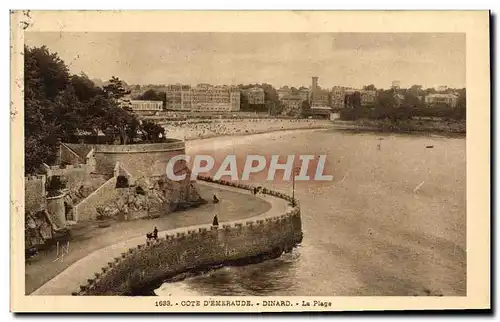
<point>338,59</point>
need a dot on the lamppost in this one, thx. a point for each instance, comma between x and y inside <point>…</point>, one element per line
<point>295,171</point>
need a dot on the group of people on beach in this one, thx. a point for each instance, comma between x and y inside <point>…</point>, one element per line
<point>231,127</point>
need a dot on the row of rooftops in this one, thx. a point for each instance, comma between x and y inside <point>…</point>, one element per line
<point>200,86</point>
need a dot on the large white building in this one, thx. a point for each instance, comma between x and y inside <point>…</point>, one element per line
<point>287,91</point>
<point>203,98</point>
<point>445,99</point>
<point>142,106</point>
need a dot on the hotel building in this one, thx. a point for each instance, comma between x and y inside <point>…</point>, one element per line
<point>304,94</point>
<point>179,97</point>
<point>203,98</point>
<point>338,97</point>
<point>291,104</point>
<point>368,97</point>
<point>284,91</point>
<point>254,95</point>
<point>446,99</point>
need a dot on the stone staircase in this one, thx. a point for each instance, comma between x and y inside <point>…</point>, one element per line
<point>75,196</point>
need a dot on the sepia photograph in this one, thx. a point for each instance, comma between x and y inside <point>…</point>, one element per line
<point>248,170</point>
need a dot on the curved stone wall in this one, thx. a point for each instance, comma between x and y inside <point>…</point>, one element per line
<point>147,265</point>
<point>55,207</point>
<point>139,159</point>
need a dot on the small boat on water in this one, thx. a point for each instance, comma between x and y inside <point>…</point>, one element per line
<point>429,146</point>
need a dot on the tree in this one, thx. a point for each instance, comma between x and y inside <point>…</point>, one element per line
<point>411,100</point>
<point>122,122</point>
<point>386,99</point>
<point>59,106</point>
<point>353,100</point>
<point>45,78</point>
<point>270,94</point>
<point>45,73</point>
<point>370,87</point>
<point>152,132</point>
<point>430,91</point>
<point>85,89</point>
<point>152,95</point>
<point>462,98</point>
<point>305,109</point>
<point>416,89</point>
<point>115,88</point>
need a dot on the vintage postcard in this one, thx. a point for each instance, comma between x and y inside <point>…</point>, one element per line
<point>244,161</point>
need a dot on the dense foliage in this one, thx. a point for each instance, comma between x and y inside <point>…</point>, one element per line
<point>61,105</point>
<point>153,95</point>
<point>401,105</point>
<point>271,100</point>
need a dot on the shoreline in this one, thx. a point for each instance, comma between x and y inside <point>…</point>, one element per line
<point>381,126</point>
<point>370,130</point>
<point>227,136</point>
<point>188,131</point>
<point>376,127</point>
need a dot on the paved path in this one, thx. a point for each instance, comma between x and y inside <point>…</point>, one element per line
<point>87,237</point>
<point>77,274</point>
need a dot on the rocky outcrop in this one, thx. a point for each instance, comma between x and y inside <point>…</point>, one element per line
<point>151,197</point>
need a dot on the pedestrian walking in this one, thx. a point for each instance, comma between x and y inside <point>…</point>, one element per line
<point>215,222</point>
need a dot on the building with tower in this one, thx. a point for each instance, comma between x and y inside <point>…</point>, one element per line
<point>319,97</point>
<point>396,85</point>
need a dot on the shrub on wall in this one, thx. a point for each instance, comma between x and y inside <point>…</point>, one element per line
<point>100,213</point>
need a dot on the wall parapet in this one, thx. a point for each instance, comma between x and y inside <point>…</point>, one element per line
<point>171,145</point>
<point>180,250</point>
<point>140,160</point>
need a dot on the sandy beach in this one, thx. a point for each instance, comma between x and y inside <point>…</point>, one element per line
<point>201,129</point>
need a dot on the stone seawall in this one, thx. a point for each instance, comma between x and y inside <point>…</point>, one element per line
<point>147,265</point>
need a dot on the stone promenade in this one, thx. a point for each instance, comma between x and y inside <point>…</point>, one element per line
<point>81,264</point>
